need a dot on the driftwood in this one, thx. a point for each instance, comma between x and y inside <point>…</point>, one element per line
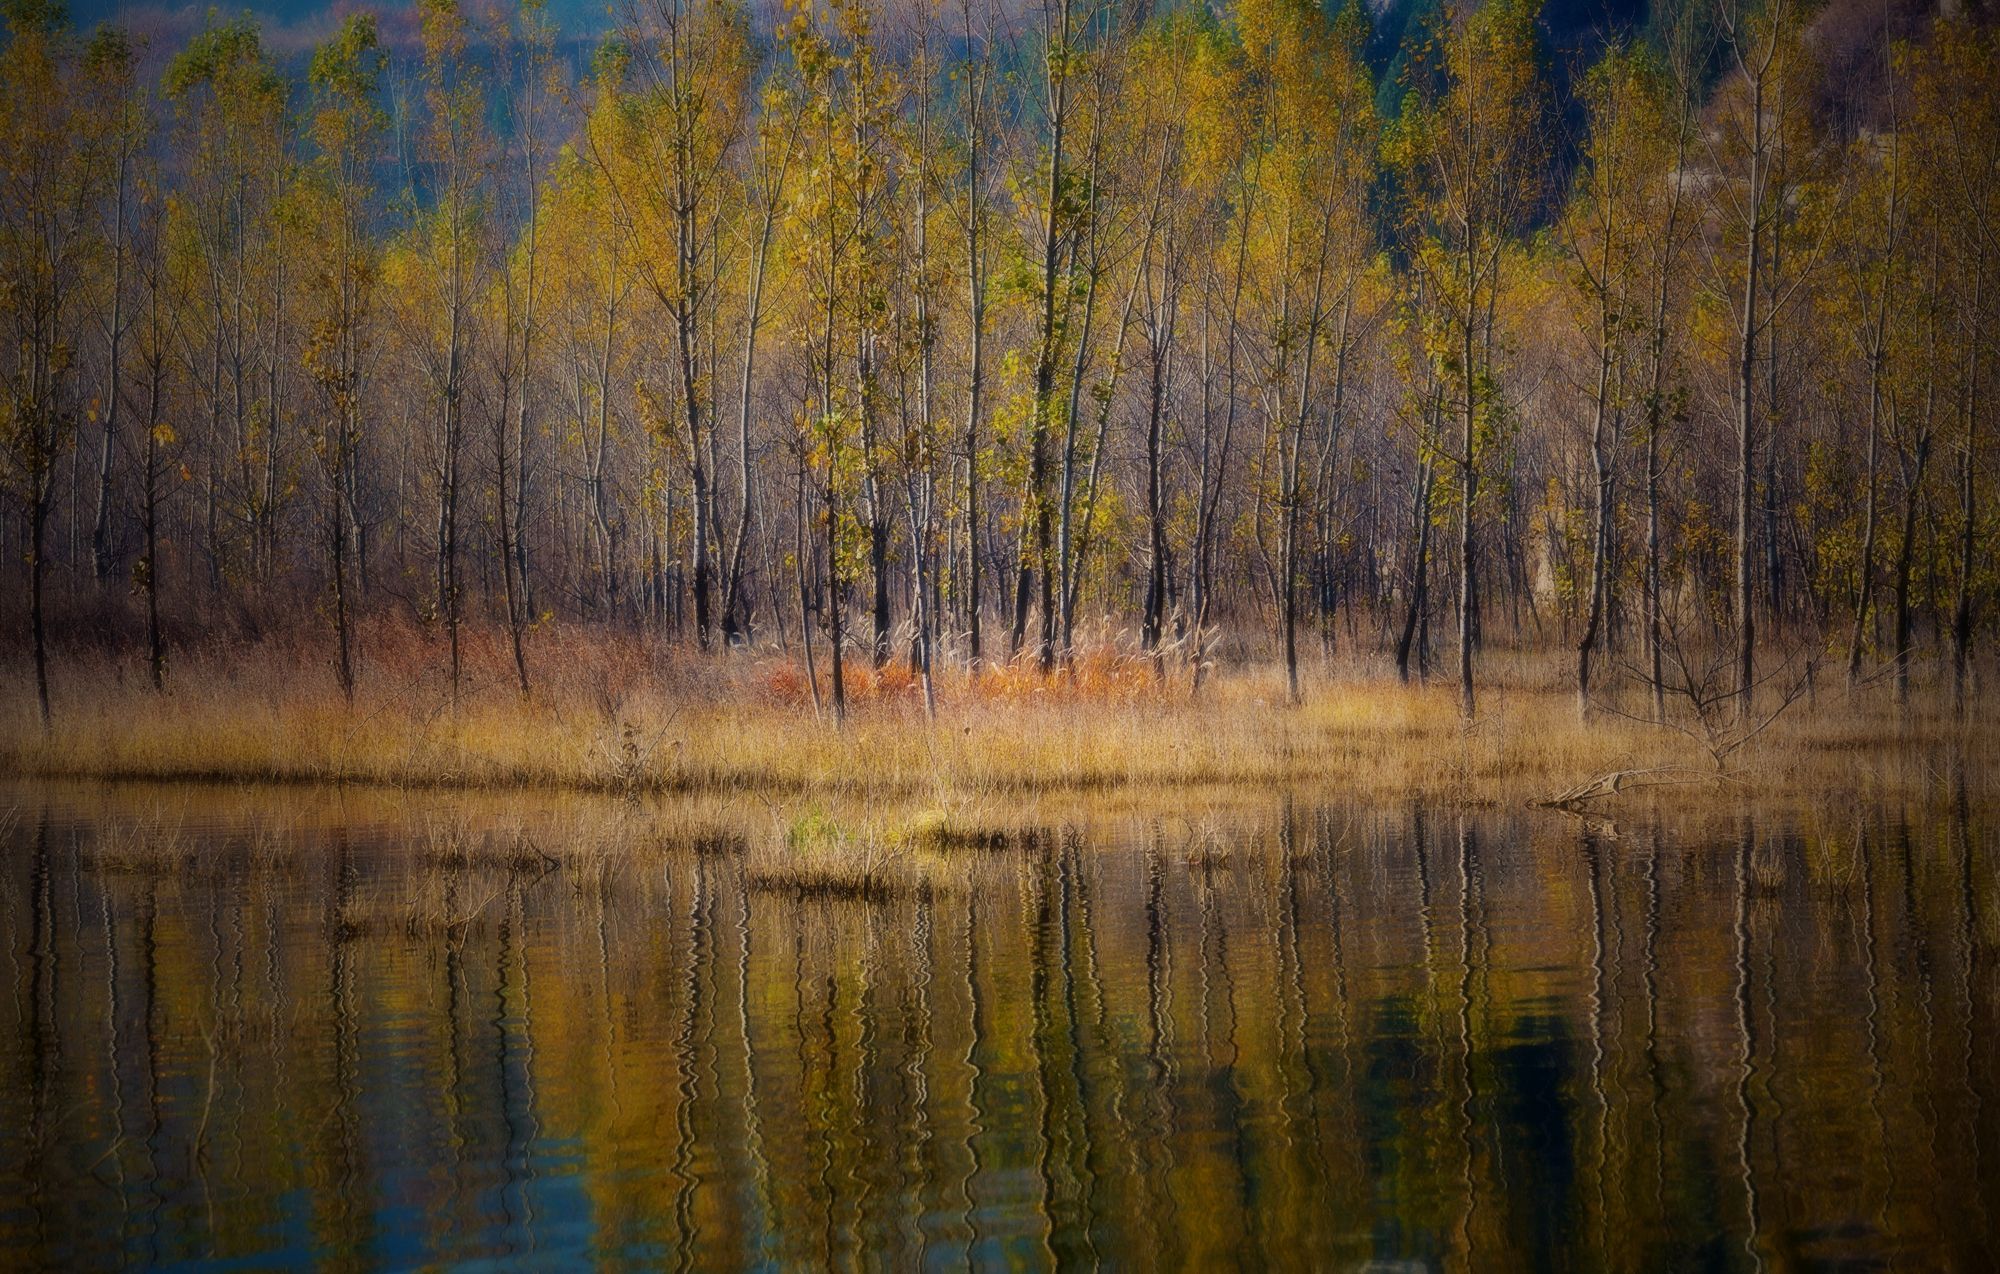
<point>1625,781</point>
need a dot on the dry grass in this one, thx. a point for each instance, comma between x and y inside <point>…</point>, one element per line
<point>468,854</point>
<point>447,864</point>
<point>616,716</point>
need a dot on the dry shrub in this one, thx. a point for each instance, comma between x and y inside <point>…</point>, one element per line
<point>891,681</point>
<point>1096,673</point>
<point>785,683</point>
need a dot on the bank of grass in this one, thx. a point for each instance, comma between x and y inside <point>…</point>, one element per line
<point>616,715</point>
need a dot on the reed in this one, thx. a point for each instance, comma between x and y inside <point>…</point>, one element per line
<point>618,717</point>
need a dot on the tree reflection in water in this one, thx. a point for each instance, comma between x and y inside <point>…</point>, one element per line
<point>1299,1035</point>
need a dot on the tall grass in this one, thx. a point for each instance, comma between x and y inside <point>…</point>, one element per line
<point>621,715</point>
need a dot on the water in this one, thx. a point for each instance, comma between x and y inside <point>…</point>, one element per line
<point>1285,1034</point>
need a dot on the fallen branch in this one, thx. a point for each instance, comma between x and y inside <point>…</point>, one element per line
<point>1625,781</point>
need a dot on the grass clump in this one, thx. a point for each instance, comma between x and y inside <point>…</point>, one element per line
<point>940,830</point>
<point>819,857</point>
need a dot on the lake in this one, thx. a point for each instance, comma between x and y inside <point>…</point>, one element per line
<point>290,1029</point>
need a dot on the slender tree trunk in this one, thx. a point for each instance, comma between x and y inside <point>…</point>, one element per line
<point>975,298</point>
<point>100,533</point>
<point>38,517</point>
<point>1961,625</point>
<point>1656,386</point>
<point>1746,408</point>
<point>1290,592</point>
<point>267,507</point>
<point>836,637</point>
<point>156,648</point>
<point>337,547</point>
<point>512,563</point>
<point>1864,576</point>
<point>1655,653</point>
<point>506,546</point>
<point>1037,511</point>
<point>878,522</point>
<point>1608,318</point>
<point>1156,558</point>
<point>734,621</point>
<point>920,480</point>
<point>801,556</point>
<point>448,528</point>
<point>1419,599</point>
<point>1468,599</point>
<point>1211,494</point>
<point>1746,619</point>
<point>974,647</point>
<point>1904,556</point>
<point>1600,535</point>
<point>687,343</point>
<point>1913,485</point>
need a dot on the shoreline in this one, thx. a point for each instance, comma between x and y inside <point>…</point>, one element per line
<point>716,729</point>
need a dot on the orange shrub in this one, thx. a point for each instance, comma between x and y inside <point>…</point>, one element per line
<point>785,682</point>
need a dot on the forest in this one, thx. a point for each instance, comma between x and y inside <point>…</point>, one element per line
<point>970,335</point>
<point>1000,634</point>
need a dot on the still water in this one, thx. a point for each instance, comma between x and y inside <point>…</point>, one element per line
<point>1291,1034</point>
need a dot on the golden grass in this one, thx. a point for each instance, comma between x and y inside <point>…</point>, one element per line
<point>455,859</point>
<point>618,718</point>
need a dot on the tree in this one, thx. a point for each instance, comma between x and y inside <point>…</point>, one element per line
<point>1766,55</point>
<point>973,212</point>
<point>529,46</point>
<point>1665,240</point>
<point>1469,152</point>
<point>845,98</point>
<point>1630,164</point>
<point>1954,128</point>
<point>772,159</point>
<point>120,121</point>
<point>1061,207</point>
<point>49,187</point>
<point>1311,243</point>
<point>232,146</point>
<point>332,218</point>
<point>156,334</point>
<point>920,445</point>
<point>663,147</point>
<point>438,265</point>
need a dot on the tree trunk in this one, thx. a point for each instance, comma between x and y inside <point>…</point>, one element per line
<point>1599,550</point>
<point>1746,406</point>
<point>1419,599</point>
<point>337,545</point>
<point>1655,653</point>
<point>156,649</point>
<point>38,517</point>
<point>1468,600</point>
<point>1156,563</point>
<point>1045,358</point>
<point>1961,624</point>
<point>100,532</point>
<point>1864,576</point>
<point>1904,556</point>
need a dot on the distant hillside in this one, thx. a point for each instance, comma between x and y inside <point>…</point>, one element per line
<point>1572,24</point>
<point>1574,32</point>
